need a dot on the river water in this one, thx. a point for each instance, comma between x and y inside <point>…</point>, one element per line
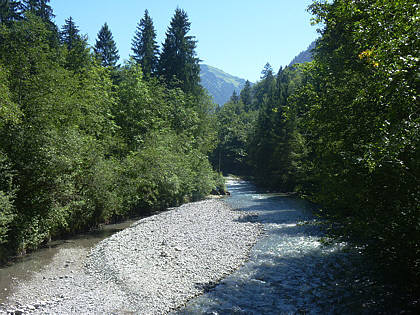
<point>290,271</point>
<point>25,267</point>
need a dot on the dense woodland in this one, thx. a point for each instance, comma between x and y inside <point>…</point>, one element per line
<point>84,140</point>
<point>343,130</point>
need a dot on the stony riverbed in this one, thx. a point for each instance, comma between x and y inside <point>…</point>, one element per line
<point>152,267</point>
<point>252,253</point>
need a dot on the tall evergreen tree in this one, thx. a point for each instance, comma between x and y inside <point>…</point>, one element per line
<point>178,58</point>
<point>234,98</point>
<point>78,51</point>
<point>40,8</point>
<point>105,48</point>
<point>246,96</point>
<point>267,71</point>
<point>69,33</point>
<point>9,11</point>
<point>144,45</point>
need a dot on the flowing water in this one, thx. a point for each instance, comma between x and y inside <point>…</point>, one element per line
<point>290,271</point>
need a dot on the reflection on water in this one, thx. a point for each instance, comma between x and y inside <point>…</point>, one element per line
<point>290,271</point>
<point>24,267</point>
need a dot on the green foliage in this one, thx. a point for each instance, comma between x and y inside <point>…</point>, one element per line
<point>76,149</point>
<point>9,11</point>
<point>59,146</point>
<point>246,96</point>
<point>165,172</point>
<point>39,8</point>
<point>7,209</point>
<point>144,45</point>
<point>344,129</point>
<point>235,129</point>
<point>78,56</point>
<point>359,108</point>
<point>105,48</point>
<point>178,63</point>
<point>9,111</point>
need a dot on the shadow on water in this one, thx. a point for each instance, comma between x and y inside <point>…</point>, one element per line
<point>23,268</point>
<point>290,271</point>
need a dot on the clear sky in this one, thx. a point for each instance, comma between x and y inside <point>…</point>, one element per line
<point>236,36</point>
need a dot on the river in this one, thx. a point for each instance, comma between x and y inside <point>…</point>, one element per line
<point>290,270</point>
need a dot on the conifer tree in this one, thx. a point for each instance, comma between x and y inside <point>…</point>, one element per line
<point>246,96</point>
<point>9,11</point>
<point>267,71</point>
<point>144,45</point>
<point>234,98</point>
<point>40,8</point>
<point>78,52</point>
<point>178,58</point>
<point>69,33</point>
<point>105,48</point>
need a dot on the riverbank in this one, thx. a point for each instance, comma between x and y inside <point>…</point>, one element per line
<point>152,267</point>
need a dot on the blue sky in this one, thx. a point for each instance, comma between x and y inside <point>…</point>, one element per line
<point>237,36</point>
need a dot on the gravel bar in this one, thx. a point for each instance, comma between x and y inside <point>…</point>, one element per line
<point>153,267</point>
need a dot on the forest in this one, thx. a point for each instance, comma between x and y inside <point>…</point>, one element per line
<point>342,131</point>
<point>85,141</point>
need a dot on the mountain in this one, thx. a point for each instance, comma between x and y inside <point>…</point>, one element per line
<point>304,56</point>
<point>220,84</point>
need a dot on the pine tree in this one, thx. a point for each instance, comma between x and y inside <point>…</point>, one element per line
<point>40,8</point>
<point>105,48</point>
<point>78,52</point>
<point>9,11</point>
<point>246,96</point>
<point>69,33</point>
<point>267,71</point>
<point>144,45</point>
<point>178,58</point>
<point>234,98</point>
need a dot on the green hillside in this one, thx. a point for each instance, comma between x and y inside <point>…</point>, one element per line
<point>220,84</point>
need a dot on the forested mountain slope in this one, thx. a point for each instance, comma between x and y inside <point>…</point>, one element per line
<point>304,56</point>
<point>220,84</point>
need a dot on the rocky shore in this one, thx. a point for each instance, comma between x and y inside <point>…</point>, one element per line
<point>153,267</point>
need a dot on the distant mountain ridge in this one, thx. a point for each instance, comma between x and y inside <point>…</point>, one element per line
<point>304,56</point>
<point>220,84</point>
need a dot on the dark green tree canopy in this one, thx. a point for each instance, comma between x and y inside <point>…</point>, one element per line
<point>40,8</point>
<point>178,58</point>
<point>267,71</point>
<point>246,95</point>
<point>234,98</point>
<point>78,54</point>
<point>9,11</point>
<point>69,33</point>
<point>105,48</point>
<point>144,46</point>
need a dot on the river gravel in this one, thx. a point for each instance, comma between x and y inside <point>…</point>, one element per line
<point>153,267</point>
